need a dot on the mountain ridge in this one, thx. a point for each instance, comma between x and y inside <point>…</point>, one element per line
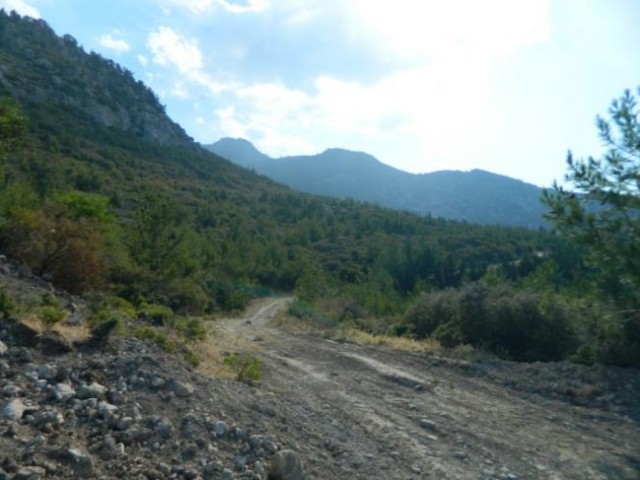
<point>476,196</point>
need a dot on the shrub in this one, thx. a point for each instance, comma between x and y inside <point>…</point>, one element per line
<point>190,328</point>
<point>155,314</point>
<point>153,335</point>
<point>246,368</point>
<point>50,315</point>
<point>304,311</point>
<point>514,324</point>
<point>7,304</point>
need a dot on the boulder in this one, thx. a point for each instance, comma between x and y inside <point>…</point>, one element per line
<point>286,465</point>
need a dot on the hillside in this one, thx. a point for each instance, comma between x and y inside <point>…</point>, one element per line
<point>187,228</point>
<point>476,196</point>
<point>127,409</point>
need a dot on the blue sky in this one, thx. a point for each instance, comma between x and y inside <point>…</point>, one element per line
<point>502,85</point>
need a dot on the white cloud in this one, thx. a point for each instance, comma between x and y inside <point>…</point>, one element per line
<point>116,44</point>
<point>180,90</point>
<point>199,7</point>
<point>438,29</point>
<point>144,61</point>
<point>170,49</point>
<point>20,6</point>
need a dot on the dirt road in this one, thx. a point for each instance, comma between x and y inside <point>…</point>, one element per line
<point>365,412</point>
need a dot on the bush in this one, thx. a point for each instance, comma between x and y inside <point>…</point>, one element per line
<point>7,304</point>
<point>155,314</point>
<point>247,369</point>
<point>153,335</point>
<point>50,315</point>
<point>612,339</point>
<point>190,328</point>
<point>304,311</point>
<point>513,324</point>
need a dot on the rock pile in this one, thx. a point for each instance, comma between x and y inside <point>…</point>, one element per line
<point>128,411</point>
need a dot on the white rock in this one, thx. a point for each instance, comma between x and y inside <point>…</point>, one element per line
<point>13,410</point>
<point>94,390</point>
<point>63,392</point>
<point>220,428</point>
<point>3,348</point>
<point>105,409</point>
<point>46,372</point>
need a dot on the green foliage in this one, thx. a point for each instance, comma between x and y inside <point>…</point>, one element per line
<point>155,314</point>
<point>306,312</point>
<point>7,303</point>
<point>154,335</point>
<point>603,216</point>
<point>603,213</point>
<point>517,325</point>
<point>86,205</point>
<point>49,315</point>
<point>13,123</point>
<point>190,328</point>
<point>246,368</point>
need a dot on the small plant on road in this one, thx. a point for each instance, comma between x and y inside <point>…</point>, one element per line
<point>247,369</point>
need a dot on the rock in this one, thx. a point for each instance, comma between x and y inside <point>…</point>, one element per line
<point>181,389</point>
<point>47,417</point>
<point>30,473</point>
<point>80,462</point>
<point>4,368</point>
<point>13,410</point>
<point>220,428</point>
<point>46,372</point>
<point>286,465</point>
<point>428,424</point>
<point>63,392</point>
<point>226,474</point>
<point>106,410</point>
<point>22,335</point>
<point>241,461</point>
<point>3,348</point>
<point>258,469</point>
<point>53,343</point>
<point>270,447</point>
<point>101,333</point>
<point>158,382</point>
<point>11,390</point>
<point>116,397</point>
<point>94,390</point>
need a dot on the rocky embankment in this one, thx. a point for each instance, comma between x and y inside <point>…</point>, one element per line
<point>127,411</point>
<point>326,410</point>
<point>120,408</point>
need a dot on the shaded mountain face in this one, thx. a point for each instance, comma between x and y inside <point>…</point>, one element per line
<point>37,66</point>
<point>476,196</point>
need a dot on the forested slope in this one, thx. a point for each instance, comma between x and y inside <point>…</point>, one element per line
<point>102,192</point>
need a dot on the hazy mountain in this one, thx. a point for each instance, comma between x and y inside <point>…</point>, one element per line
<point>476,196</point>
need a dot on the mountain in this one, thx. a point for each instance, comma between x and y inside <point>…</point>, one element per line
<point>102,191</point>
<point>476,196</point>
<point>50,68</point>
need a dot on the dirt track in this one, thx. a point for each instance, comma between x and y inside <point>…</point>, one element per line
<point>365,412</point>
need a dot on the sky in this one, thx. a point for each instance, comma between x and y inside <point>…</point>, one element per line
<point>507,86</point>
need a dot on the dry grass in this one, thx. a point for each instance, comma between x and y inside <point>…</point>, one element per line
<point>221,342</point>
<point>359,337</point>
<point>395,343</point>
<point>72,333</point>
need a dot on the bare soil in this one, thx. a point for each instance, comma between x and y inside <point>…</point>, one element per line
<point>348,411</point>
<point>368,412</point>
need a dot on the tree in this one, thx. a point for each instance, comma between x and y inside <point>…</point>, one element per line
<point>13,127</point>
<point>603,212</point>
<point>603,215</point>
